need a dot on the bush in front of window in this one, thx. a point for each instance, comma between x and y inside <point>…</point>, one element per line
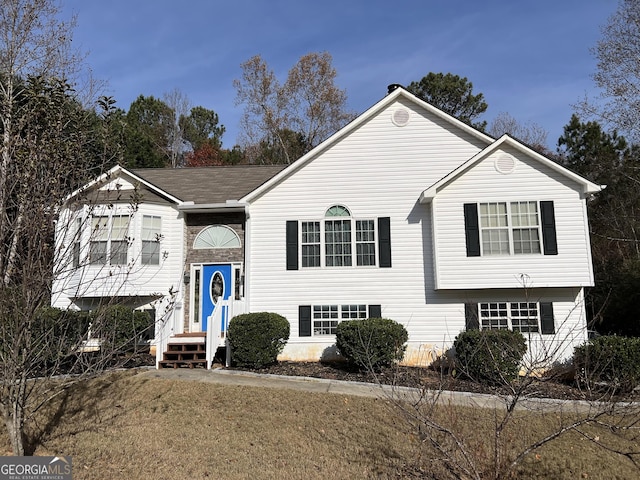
<point>610,362</point>
<point>489,356</point>
<point>56,335</point>
<point>256,339</point>
<point>119,327</point>
<point>371,343</point>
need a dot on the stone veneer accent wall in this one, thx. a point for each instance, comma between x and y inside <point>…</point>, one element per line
<point>195,223</point>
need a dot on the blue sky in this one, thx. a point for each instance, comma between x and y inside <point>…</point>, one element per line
<point>530,59</point>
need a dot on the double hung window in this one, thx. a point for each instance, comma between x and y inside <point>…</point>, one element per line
<point>510,228</point>
<point>151,235</point>
<point>109,240</point>
<point>77,236</point>
<point>338,240</point>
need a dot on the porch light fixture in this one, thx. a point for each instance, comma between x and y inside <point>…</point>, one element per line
<point>186,278</point>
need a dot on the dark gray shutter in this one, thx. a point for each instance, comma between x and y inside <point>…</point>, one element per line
<point>304,321</point>
<point>548,228</point>
<point>471,229</point>
<point>384,241</point>
<point>471,316</point>
<point>546,318</point>
<point>375,311</point>
<point>292,245</point>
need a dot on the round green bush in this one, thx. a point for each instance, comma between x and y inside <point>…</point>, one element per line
<point>371,343</point>
<point>609,360</point>
<point>256,339</point>
<point>489,356</point>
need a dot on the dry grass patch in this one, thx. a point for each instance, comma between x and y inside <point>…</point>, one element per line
<point>122,425</point>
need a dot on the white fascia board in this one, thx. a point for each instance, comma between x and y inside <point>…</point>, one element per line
<point>587,187</point>
<point>118,171</point>
<point>351,126</point>
<point>98,181</point>
<point>229,206</point>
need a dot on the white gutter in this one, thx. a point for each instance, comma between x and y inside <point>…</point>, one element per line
<point>228,206</point>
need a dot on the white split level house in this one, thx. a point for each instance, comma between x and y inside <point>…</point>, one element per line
<point>405,213</point>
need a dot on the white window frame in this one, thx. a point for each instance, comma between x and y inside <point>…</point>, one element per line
<point>151,235</point>
<point>523,317</point>
<point>501,223</point>
<point>311,244</point>
<point>76,252</point>
<point>102,233</point>
<point>359,250</point>
<point>326,317</point>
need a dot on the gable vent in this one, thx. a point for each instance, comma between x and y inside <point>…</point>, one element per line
<point>400,117</point>
<point>505,164</point>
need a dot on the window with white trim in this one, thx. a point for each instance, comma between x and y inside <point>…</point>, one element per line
<point>151,236</point>
<point>510,227</point>
<point>327,317</point>
<point>338,241</point>
<point>76,243</point>
<point>518,316</point>
<point>109,240</point>
<point>310,244</point>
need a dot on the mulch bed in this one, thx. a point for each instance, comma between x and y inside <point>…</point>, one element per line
<point>430,378</point>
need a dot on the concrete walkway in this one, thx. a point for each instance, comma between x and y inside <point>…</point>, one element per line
<point>341,387</point>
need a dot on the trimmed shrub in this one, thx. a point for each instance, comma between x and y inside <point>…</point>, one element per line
<point>256,339</point>
<point>610,360</point>
<point>489,356</point>
<point>120,327</point>
<point>371,343</point>
<point>56,334</point>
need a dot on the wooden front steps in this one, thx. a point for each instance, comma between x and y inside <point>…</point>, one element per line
<point>187,354</point>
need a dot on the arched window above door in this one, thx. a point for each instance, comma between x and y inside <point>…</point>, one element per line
<point>216,236</point>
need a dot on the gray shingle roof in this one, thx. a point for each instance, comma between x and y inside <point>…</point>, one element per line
<point>209,184</point>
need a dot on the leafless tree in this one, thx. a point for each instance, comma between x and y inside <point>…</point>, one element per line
<point>308,105</point>
<point>178,102</point>
<point>49,147</point>
<point>528,133</point>
<point>618,72</point>
<point>440,417</point>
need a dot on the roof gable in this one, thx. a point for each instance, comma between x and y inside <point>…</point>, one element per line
<point>587,187</point>
<point>395,95</point>
<point>209,185</point>
<point>186,186</point>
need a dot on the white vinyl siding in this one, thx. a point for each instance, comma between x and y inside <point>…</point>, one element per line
<point>369,173</point>
<point>530,182</point>
<point>379,170</point>
<point>133,278</point>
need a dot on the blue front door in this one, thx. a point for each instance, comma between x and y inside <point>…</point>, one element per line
<point>216,286</point>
